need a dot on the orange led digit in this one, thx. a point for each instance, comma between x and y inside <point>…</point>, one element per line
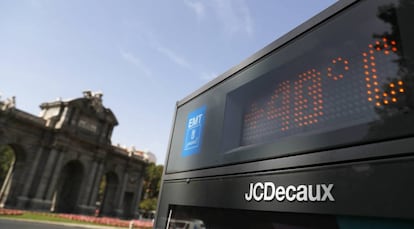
<point>301,101</point>
<point>345,67</point>
<point>279,105</point>
<point>309,81</point>
<point>381,46</point>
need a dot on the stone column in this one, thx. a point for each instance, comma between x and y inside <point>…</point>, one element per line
<point>95,187</point>
<point>89,184</point>
<point>137,196</point>
<point>23,198</point>
<point>85,207</point>
<point>120,195</point>
<point>55,177</point>
<point>38,203</point>
<point>51,188</point>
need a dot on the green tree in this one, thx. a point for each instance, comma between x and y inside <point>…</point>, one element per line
<point>148,204</point>
<point>151,189</point>
<point>102,187</point>
<point>6,159</point>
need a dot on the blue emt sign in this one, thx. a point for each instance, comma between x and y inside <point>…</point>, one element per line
<point>193,132</point>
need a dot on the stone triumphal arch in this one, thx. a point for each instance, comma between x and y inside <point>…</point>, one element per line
<point>62,156</point>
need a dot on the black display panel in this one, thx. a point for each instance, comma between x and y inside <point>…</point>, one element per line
<point>347,80</point>
<point>344,91</point>
<point>219,218</point>
<point>354,71</point>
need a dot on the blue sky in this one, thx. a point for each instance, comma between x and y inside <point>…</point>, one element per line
<point>144,55</point>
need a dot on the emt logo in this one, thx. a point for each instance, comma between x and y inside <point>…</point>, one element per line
<point>193,132</point>
<point>268,191</point>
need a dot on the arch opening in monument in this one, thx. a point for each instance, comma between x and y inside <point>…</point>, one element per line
<point>12,162</point>
<point>108,196</point>
<point>66,195</point>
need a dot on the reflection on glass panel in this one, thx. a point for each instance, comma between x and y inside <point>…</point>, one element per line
<point>185,217</point>
<point>377,223</point>
<point>186,224</point>
<point>213,218</point>
<point>336,76</point>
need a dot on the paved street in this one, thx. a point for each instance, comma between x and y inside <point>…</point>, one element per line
<point>13,224</point>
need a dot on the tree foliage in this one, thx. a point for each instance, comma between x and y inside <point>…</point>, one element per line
<point>148,204</point>
<point>102,187</point>
<point>151,189</point>
<point>6,159</point>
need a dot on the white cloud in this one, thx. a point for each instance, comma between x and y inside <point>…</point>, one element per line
<point>134,60</point>
<point>235,16</point>
<point>247,18</point>
<point>197,6</point>
<point>174,57</point>
<point>182,62</point>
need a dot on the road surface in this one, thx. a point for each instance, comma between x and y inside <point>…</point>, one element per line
<point>14,224</point>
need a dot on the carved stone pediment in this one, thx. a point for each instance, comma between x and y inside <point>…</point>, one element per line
<point>96,104</point>
<point>95,99</point>
<point>88,124</point>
